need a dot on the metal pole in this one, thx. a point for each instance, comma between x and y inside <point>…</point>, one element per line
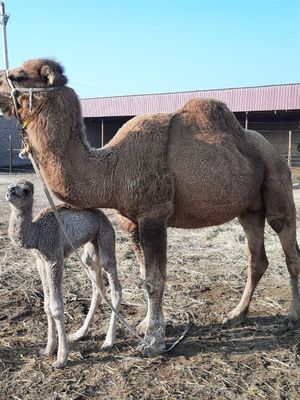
<point>102,132</point>
<point>290,150</point>
<point>3,21</point>
<point>246,120</point>
<point>10,154</point>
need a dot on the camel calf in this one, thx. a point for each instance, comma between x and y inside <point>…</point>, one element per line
<point>43,235</point>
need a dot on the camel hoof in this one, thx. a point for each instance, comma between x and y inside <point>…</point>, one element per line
<point>151,350</point>
<point>59,364</point>
<point>292,324</point>
<point>233,319</point>
<point>293,319</point>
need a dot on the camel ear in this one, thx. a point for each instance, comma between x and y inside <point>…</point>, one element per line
<point>48,75</point>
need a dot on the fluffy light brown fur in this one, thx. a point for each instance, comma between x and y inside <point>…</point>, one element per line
<point>189,169</point>
<point>44,237</point>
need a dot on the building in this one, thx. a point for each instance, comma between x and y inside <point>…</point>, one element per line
<point>10,142</point>
<point>272,110</point>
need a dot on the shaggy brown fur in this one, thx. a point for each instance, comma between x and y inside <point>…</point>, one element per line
<point>189,169</point>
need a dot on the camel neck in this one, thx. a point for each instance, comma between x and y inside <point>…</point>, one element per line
<point>77,174</point>
<point>22,230</point>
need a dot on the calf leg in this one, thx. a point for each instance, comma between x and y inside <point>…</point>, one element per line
<point>153,234</point>
<point>107,260</point>
<point>253,224</point>
<point>51,340</point>
<point>54,278</point>
<point>91,260</point>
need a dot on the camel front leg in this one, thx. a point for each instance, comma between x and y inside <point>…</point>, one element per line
<point>153,235</point>
<point>132,231</point>
<point>51,336</point>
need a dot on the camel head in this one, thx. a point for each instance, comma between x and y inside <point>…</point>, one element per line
<point>40,73</point>
<point>20,195</point>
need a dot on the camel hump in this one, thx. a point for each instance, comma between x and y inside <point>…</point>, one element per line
<point>211,115</point>
<point>146,129</point>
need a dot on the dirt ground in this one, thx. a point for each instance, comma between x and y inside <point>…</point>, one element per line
<point>206,276</point>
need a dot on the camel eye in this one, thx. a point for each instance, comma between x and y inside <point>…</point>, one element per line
<point>21,77</point>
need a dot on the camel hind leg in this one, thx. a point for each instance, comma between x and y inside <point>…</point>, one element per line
<point>281,216</point>
<point>289,244</point>
<point>253,224</point>
<point>91,260</point>
<point>286,230</point>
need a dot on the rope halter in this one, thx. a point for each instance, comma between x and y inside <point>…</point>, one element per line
<point>25,148</point>
<point>15,89</point>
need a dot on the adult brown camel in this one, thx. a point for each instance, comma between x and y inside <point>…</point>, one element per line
<point>193,168</point>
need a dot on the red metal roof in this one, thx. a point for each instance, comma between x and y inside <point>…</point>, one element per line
<point>259,98</point>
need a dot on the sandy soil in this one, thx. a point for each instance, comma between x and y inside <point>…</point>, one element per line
<point>206,276</point>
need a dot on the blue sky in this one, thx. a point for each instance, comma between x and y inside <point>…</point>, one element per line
<point>119,47</point>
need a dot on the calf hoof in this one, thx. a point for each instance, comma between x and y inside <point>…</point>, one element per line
<point>80,334</point>
<point>47,352</point>
<point>107,345</point>
<point>59,364</point>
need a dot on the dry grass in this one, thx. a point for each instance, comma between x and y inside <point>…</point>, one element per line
<point>207,270</point>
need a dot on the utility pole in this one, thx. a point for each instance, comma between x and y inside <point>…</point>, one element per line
<point>3,22</point>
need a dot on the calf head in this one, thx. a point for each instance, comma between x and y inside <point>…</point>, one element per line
<point>20,195</point>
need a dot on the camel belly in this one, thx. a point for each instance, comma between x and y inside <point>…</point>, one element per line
<point>205,215</point>
<point>208,206</point>
<point>213,190</point>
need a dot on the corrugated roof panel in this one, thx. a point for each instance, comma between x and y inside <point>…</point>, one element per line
<point>260,98</point>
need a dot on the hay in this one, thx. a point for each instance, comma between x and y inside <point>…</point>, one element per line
<point>206,275</point>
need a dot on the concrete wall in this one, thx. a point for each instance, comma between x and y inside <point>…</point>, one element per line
<point>7,128</point>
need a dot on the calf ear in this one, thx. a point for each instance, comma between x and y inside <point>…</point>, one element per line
<point>48,75</point>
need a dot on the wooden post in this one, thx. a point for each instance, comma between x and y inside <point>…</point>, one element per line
<point>290,150</point>
<point>246,120</point>
<point>102,132</point>
<point>10,153</point>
